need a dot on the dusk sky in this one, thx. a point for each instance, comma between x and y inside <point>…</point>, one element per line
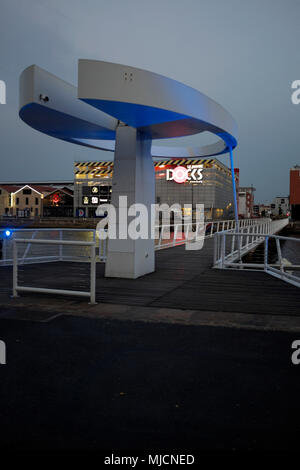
<point>243,54</point>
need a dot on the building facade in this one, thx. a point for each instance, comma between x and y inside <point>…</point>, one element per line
<point>280,206</point>
<point>35,201</point>
<point>262,210</point>
<point>58,203</point>
<point>246,202</point>
<point>185,181</point>
<point>295,192</point>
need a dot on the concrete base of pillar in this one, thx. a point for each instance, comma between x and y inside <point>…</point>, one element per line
<point>133,177</point>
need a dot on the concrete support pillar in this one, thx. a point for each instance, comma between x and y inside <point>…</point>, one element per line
<point>133,177</point>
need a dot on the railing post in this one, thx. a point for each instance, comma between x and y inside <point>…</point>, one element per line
<point>4,250</point>
<point>101,244</point>
<point>266,253</point>
<point>240,241</point>
<point>93,275</point>
<point>15,269</point>
<point>216,242</point>
<point>223,249</point>
<point>247,239</point>
<point>232,244</point>
<point>60,246</point>
<point>160,235</point>
<point>279,253</point>
<point>175,234</point>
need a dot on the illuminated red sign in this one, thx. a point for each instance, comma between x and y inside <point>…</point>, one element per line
<point>181,174</point>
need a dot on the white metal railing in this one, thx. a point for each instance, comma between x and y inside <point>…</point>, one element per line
<point>284,269</point>
<point>34,253</point>
<point>230,246</point>
<point>91,245</point>
<point>182,233</point>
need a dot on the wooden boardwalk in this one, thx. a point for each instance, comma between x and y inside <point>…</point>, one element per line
<point>183,280</point>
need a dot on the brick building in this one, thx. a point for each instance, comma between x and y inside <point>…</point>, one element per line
<point>295,192</point>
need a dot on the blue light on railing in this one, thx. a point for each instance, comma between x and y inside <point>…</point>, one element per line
<point>7,233</point>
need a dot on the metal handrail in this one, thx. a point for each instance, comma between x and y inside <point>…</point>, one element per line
<point>243,242</point>
<point>214,226</point>
<point>17,288</point>
<point>208,230</point>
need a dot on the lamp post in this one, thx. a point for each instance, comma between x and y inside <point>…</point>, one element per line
<point>236,215</point>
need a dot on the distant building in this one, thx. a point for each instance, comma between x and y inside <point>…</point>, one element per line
<point>29,200</point>
<point>295,192</point>
<point>280,206</point>
<point>246,202</point>
<point>183,181</point>
<point>264,210</point>
<point>256,210</point>
<point>22,201</point>
<point>58,203</point>
<point>6,191</point>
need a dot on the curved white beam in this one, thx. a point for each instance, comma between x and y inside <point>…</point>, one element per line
<point>157,106</point>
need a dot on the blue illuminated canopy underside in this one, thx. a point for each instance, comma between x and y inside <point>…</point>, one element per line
<point>135,115</point>
<point>62,125</point>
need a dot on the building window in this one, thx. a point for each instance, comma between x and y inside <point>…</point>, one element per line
<point>17,200</point>
<point>27,191</point>
<point>36,201</point>
<point>27,201</point>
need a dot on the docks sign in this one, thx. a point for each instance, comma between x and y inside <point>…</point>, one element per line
<point>182,174</point>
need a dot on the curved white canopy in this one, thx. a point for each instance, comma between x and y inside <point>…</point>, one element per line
<point>109,93</point>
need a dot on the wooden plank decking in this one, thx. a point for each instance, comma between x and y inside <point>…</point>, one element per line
<point>183,280</point>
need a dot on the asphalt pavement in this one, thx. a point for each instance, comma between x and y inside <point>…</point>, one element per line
<point>85,383</point>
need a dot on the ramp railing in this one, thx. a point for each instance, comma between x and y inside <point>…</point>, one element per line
<point>230,246</point>
<point>277,255</point>
<point>179,234</point>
